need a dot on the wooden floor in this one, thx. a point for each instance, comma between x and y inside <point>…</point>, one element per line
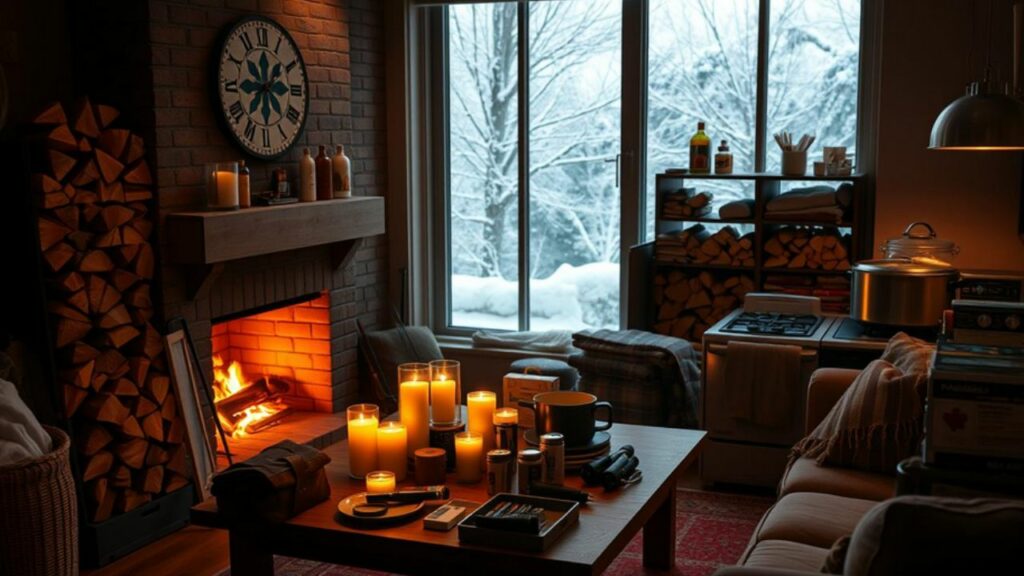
<point>200,551</point>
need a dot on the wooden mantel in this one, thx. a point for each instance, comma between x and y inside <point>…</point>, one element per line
<point>204,241</point>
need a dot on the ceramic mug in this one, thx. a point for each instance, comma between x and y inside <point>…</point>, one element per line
<point>570,413</point>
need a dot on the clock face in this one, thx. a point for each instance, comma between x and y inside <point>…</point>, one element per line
<point>262,87</point>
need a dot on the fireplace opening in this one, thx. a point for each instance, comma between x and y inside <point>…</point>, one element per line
<point>272,372</point>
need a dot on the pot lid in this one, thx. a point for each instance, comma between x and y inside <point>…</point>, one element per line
<point>921,241</point>
<point>904,267</point>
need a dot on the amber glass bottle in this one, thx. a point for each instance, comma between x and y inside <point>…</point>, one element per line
<point>700,152</point>
<point>324,190</point>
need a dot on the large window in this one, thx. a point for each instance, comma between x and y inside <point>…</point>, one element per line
<point>533,213</point>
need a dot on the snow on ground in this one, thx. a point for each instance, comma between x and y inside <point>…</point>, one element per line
<point>572,298</point>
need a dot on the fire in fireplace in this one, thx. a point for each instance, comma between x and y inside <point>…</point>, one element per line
<point>243,406</point>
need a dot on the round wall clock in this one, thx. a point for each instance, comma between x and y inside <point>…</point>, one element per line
<point>262,87</point>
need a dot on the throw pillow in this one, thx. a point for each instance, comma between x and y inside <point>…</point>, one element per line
<point>836,556</point>
<point>875,424</point>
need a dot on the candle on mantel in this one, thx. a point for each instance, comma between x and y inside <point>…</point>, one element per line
<point>380,481</point>
<point>362,439</point>
<point>414,404</point>
<point>392,448</point>
<point>469,457</point>
<point>506,416</point>
<point>227,188</point>
<point>480,405</point>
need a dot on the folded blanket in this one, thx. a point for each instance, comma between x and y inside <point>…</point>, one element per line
<point>549,341</point>
<point>21,436</point>
<point>737,209</point>
<point>802,198</point>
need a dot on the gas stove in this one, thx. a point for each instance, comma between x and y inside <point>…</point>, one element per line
<point>773,324</point>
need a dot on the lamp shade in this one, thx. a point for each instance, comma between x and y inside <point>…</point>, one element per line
<point>980,122</point>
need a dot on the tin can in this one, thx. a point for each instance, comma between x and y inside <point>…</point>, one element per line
<point>499,471</point>
<point>531,462</point>
<point>506,437</point>
<point>552,446</point>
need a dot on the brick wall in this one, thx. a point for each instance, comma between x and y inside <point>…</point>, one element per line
<point>291,341</point>
<point>342,45</point>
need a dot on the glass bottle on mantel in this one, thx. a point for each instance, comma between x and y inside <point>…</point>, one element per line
<point>324,190</point>
<point>244,191</point>
<point>307,177</point>
<point>700,152</point>
<point>342,168</point>
<point>723,160</point>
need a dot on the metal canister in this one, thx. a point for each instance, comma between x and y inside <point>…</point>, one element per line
<point>499,471</point>
<point>531,463</point>
<point>552,446</point>
<point>506,437</point>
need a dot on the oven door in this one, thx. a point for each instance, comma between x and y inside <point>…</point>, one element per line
<point>718,419</point>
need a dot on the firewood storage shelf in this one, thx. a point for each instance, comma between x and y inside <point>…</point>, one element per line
<point>642,311</point>
<point>204,241</point>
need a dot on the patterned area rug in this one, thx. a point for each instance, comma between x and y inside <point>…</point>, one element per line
<point>712,529</point>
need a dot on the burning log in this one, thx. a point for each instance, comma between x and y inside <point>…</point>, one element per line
<point>232,409</point>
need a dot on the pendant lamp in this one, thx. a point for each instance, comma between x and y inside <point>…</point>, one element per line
<point>986,118</point>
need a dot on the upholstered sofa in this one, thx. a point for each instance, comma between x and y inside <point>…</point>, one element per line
<point>819,505</point>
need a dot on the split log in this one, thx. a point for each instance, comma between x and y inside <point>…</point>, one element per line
<point>113,192</point>
<point>139,174</point>
<point>60,164</point>
<point>105,507</point>
<point>97,490</point>
<point>157,386</point>
<point>152,344</point>
<point>68,216</point>
<point>98,381</point>
<point>51,233</point>
<point>803,248</point>
<point>87,174</point>
<point>105,408</point>
<point>80,352</point>
<point>80,376</point>
<point>156,455</point>
<point>81,240</point>
<point>118,337</point>
<point>122,279</point>
<point>105,115</point>
<point>153,426</point>
<point>132,428</point>
<point>96,261</point>
<point>176,431</point>
<point>108,239</point>
<point>144,263</point>
<point>121,477</point>
<point>170,407</point>
<point>92,439</point>
<point>136,150</point>
<point>117,316</point>
<point>114,141</point>
<point>144,406</point>
<point>132,452</point>
<point>115,215</point>
<point>59,255</point>
<point>178,462</point>
<point>110,361</point>
<point>97,465</point>
<point>123,387</point>
<point>109,166</point>
<point>152,480</point>
<point>84,120</point>
<point>84,145</point>
<point>69,331</point>
<point>52,114</point>
<point>689,304</point>
<point>175,482</point>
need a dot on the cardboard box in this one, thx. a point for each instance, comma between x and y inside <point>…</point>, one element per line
<point>516,387</point>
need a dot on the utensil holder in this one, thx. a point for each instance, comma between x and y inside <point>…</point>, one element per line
<point>794,162</point>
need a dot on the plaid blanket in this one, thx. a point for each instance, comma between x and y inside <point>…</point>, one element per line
<point>649,378</point>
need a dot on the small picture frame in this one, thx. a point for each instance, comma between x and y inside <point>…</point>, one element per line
<point>184,372</point>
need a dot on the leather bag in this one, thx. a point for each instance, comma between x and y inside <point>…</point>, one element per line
<point>281,481</point>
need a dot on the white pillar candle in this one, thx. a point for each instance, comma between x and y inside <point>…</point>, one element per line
<point>393,448</point>
<point>380,481</point>
<point>469,457</point>
<point>481,405</point>
<point>362,439</point>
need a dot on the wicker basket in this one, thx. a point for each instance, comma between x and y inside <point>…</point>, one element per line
<point>39,522</point>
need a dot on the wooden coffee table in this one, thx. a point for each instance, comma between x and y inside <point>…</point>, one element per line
<point>606,524</point>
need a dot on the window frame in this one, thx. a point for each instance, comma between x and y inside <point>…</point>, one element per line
<point>427,62</point>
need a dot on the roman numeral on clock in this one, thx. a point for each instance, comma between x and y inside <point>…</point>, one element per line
<point>261,37</point>
<point>231,86</point>
<point>277,46</point>
<point>293,115</point>
<point>266,137</point>
<point>250,130</point>
<point>289,67</point>
<point>246,41</point>
<point>236,111</point>
<point>296,89</point>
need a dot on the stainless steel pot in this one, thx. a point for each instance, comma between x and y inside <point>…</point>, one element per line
<point>899,292</point>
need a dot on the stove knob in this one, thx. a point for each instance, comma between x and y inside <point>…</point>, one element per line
<point>1012,322</point>
<point>983,320</point>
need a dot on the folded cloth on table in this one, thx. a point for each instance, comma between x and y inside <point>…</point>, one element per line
<point>548,341</point>
<point>801,198</point>
<point>737,209</point>
<point>21,436</point>
<point>809,214</point>
<point>634,347</point>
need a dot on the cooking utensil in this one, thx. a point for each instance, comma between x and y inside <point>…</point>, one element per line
<point>921,245</point>
<point>901,292</point>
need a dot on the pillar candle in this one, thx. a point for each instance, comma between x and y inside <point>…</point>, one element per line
<point>227,189</point>
<point>469,457</point>
<point>392,448</point>
<point>362,441</point>
<point>481,405</point>
<point>414,408</point>
<point>380,481</point>
<point>442,400</point>
<point>506,416</point>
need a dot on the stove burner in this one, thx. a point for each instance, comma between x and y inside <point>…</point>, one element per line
<point>774,324</point>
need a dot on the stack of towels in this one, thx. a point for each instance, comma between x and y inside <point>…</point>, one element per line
<point>813,203</point>
<point>21,436</point>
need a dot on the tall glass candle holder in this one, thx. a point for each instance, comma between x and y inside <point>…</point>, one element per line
<point>222,186</point>
<point>362,439</point>
<point>480,406</point>
<point>414,404</point>
<point>445,392</point>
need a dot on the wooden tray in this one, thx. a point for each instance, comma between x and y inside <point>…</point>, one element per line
<point>560,514</point>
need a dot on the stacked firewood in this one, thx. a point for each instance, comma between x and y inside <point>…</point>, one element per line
<point>687,305</point>
<point>807,249</point>
<point>94,187</point>
<point>695,245</point>
<point>686,203</point>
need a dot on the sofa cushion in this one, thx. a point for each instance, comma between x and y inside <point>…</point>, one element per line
<point>786,554</point>
<point>876,423</point>
<point>812,518</point>
<point>805,475</point>
<point>836,559</point>
<point>912,535</point>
